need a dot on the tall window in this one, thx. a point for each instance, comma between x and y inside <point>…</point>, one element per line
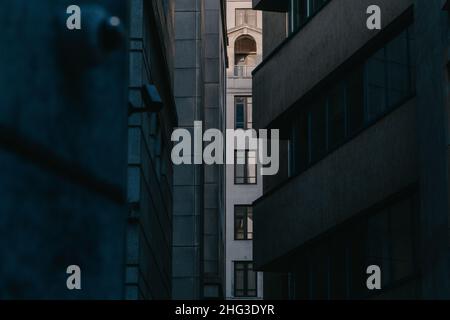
<point>245,167</point>
<point>246,17</point>
<point>243,223</point>
<point>245,56</point>
<point>243,113</point>
<point>245,279</point>
<point>388,76</point>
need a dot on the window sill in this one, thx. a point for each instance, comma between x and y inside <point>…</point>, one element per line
<point>245,184</point>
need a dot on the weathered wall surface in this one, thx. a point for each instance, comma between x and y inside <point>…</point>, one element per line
<point>150,172</point>
<point>62,155</point>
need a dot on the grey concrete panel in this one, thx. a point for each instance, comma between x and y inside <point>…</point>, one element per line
<point>293,71</point>
<point>340,186</point>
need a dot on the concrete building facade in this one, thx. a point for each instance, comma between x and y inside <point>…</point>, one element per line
<point>364,172</point>
<point>152,117</point>
<point>244,52</point>
<point>198,225</point>
<point>72,193</point>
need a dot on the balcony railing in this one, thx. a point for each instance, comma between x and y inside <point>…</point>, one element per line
<point>243,71</point>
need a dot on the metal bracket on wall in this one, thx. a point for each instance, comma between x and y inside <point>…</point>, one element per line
<point>152,101</point>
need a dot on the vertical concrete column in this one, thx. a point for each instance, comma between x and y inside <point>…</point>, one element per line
<point>213,63</point>
<point>188,179</point>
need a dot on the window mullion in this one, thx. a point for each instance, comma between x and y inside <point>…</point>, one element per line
<point>245,225</point>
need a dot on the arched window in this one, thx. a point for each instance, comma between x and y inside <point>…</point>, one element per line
<point>244,54</point>
<point>245,45</point>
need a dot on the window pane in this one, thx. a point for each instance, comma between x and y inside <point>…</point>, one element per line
<point>402,240</point>
<point>299,13</point>
<point>249,223</point>
<point>357,262</point>
<point>398,69</point>
<point>319,272</point>
<point>355,101</point>
<point>240,234</point>
<point>338,268</point>
<point>251,283</point>
<point>239,283</point>
<point>244,279</point>
<point>318,130</point>
<point>249,112</point>
<point>240,113</point>
<point>239,171</point>
<point>301,10</point>
<point>240,174</point>
<point>301,277</point>
<point>378,243</point>
<point>245,167</point>
<point>251,167</point>
<point>376,85</point>
<point>336,116</point>
<point>239,226</point>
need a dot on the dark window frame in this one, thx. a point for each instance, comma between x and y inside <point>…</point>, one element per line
<point>247,123</point>
<point>245,290</point>
<point>245,227</point>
